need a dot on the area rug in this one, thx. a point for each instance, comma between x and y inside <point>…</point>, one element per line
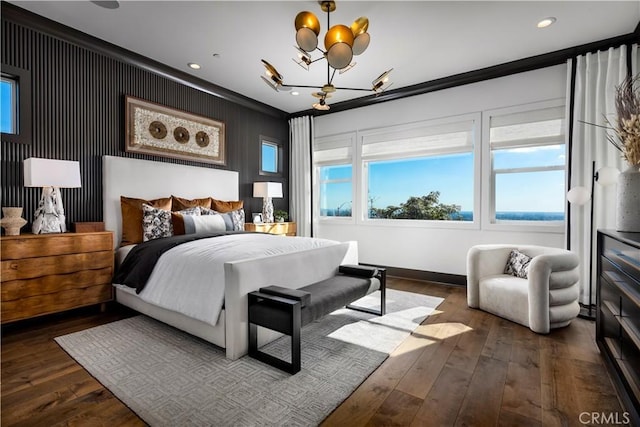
<point>170,378</point>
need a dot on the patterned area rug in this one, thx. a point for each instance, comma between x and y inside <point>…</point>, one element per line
<point>170,378</point>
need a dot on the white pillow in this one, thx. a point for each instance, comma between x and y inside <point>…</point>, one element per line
<point>208,224</point>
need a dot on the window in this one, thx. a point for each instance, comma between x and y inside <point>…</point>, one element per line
<point>8,105</point>
<point>334,176</point>
<point>423,172</point>
<point>15,105</point>
<point>270,157</point>
<point>528,161</point>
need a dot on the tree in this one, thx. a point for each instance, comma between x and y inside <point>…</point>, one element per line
<point>424,207</point>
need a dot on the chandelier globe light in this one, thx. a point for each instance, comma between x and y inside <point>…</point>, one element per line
<point>341,44</point>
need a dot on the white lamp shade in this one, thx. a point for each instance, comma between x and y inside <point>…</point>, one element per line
<point>578,195</point>
<point>267,189</point>
<point>608,175</point>
<point>51,173</point>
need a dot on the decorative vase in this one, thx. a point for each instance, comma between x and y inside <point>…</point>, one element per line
<point>12,221</point>
<point>628,212</point>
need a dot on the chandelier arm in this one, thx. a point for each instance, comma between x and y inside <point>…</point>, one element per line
<point>316,60</point>
<point>332,75</point>
<point>305,86</point>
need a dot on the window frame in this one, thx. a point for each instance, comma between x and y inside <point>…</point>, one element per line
<point>489,221</point>
<point>279,156</point>
<point>409,130</point>
<point>346,140</point>
<point>23,105</point>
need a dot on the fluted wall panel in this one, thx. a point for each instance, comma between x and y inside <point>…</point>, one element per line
<point>78,113</point>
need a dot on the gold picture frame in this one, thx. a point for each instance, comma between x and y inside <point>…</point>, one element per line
<point>163,131</point>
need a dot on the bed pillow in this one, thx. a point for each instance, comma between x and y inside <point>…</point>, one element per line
<point>518,264</point>
<point>205,224</point>
<point>156,223</point>
<point>132,217</point>
<point>178,219</point>
<point>234,220</point>
<point>178,203</point>
<point>223,206</point>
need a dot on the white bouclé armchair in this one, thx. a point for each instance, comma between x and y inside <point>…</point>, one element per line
<point>546,299</point>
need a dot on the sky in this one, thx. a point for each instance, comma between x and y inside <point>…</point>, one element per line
<point>393,182</point>
<point>5,106</point>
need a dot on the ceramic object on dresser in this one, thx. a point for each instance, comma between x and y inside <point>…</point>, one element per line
<point>12,220</point>
<point>628,212</point>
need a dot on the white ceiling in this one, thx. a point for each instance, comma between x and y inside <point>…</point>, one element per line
<point>420,40</point>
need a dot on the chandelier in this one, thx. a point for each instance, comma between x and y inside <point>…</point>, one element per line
<point>342,43</point>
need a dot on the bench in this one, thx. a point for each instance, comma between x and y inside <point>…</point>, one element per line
<point>287,310</point>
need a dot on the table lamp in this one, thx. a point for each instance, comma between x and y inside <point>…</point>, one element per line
<point>51,175</point>
<point>267,190</point>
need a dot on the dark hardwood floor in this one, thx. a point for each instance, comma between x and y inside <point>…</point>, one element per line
<point>461,367</point>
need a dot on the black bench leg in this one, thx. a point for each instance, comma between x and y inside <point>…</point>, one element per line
<point>382,277</point>
<point>292,329</point>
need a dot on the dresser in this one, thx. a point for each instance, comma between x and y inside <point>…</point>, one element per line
<point>284,228</point>
<point>48,273</point>
<point>618,313</point>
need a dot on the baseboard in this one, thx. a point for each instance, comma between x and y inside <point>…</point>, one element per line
<point>430,276</point>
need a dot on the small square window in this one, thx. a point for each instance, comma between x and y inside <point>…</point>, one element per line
<point>270,157</point>
<point>8,106</point>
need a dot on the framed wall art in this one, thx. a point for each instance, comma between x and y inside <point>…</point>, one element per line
<point>163,131</point>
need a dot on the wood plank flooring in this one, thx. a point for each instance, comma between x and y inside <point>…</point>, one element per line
<point>461,367</point>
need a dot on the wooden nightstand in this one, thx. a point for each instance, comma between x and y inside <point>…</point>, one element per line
<point>48,273</point>
<point>285,228</point>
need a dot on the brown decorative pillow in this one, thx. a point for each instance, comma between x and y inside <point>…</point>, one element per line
<point>132,217</point>
<point>178,203</point>
<point>226,206</point>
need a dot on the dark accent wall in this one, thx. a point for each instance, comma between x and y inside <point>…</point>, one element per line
<point>77,105</point>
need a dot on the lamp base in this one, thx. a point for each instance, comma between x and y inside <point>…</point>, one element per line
<point>267,210</point>
<point>587,312</point>
<point>49,217</point>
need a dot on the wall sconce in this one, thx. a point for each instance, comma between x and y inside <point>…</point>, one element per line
<point>267,190</point>
<point>51,175</point>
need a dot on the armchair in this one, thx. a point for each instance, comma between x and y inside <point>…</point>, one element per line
<point>546,299</point>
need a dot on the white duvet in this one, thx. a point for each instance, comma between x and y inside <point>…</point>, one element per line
<point>190,278</point>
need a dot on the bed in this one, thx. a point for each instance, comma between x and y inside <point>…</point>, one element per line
<point>241,275</point>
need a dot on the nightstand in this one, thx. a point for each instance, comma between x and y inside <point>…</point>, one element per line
<point>48,273</point>
<point>284,228</point>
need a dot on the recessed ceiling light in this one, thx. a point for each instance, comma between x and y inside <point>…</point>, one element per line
<point>295,93</point>
<point>194,65</point>
<point>546,22</point>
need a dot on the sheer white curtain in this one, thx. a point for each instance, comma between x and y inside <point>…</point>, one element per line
<point>597,75</point>
<point>301,137</point>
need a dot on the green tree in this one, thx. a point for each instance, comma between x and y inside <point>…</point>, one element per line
<point>424,207</point>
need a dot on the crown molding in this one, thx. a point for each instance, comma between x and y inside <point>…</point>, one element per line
<point>18,15</point>
<point>501,70</point>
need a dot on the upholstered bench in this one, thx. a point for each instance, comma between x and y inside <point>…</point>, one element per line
<point>287,310</point>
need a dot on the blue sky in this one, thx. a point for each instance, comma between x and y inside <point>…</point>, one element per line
<point>5,107</point>
<point>393,182</point>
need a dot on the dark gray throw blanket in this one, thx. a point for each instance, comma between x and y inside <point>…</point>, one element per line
<point>140,261</point>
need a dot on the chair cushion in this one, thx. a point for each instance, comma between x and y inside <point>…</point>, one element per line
<point>505,296</point>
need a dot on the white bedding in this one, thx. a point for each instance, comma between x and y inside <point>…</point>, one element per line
<point>189,278</point>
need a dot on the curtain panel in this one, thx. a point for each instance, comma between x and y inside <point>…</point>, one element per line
<point>597,75</point>
<point>300,140</point>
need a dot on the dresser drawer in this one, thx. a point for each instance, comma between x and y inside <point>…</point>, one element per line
<point>38,305</point>
<point>28,268</point>
<point>625,283</point>
<point>626,257</point>
<point>39,245</point>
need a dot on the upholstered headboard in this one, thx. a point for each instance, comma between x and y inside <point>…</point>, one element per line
<point>146,179</point>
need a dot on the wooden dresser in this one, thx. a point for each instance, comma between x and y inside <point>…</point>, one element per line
<point>284,228</point>
<point>618,313</point>
<point>48,273</point>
